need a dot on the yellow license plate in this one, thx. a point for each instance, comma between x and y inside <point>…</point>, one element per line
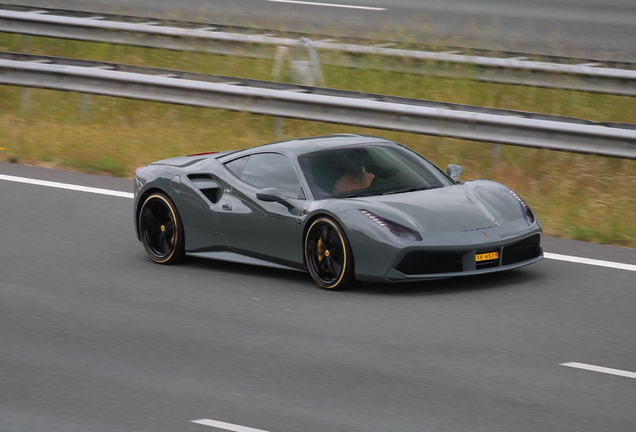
<point>487,256</point>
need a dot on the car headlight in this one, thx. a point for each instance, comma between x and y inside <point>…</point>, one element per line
<point>399,230</point>
<point>528,216</point>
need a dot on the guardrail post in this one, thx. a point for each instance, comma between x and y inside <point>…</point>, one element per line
<point>25,92</point>
<point>304,68</point>
<point>494,155</point>
<point>25,98</point>
<point>279,64</point>
<point>308,71</point>
<point>85,106</point>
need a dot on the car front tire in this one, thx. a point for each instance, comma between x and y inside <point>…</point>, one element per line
<point>328,255</point>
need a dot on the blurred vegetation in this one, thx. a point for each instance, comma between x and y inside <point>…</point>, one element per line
<point>576,196</point>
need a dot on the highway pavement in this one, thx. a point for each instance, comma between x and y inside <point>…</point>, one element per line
<point>603,29</point>
<point>96,337</point>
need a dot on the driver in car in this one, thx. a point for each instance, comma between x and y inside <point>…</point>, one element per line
<point>355,176</point>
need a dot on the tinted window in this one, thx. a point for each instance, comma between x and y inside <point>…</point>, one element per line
<point>369,170</point>
<point>266,170</point>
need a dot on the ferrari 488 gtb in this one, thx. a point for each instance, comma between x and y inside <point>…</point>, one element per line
<point>345,208</point>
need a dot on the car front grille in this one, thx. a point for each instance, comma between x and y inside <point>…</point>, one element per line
<point>423,263</point>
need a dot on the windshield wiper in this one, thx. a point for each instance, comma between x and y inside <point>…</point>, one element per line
<point>411,189</point>
<point>356,195</point>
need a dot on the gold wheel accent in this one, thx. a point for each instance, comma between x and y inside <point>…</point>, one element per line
<point>160,229</point>
<point>327,254</point>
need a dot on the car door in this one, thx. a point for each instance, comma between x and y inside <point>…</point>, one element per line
<point>263,229</point>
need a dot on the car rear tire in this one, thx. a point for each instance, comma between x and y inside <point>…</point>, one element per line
<point>328,255</point>
<point>161,230</point>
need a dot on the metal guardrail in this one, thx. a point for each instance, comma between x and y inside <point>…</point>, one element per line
<point>320,104</point>
<point>552,72</point>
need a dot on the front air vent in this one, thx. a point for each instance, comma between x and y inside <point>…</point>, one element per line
<point>523,250</point>
<point>430,263</point>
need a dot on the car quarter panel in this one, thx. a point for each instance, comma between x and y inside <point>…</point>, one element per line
<point>202,229</point>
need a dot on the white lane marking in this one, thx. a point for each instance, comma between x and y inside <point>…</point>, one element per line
<point>595,262</point>
<point>226,426</point>
<point>306,3</point>
<point>600,369</point>
<point>66,186</point>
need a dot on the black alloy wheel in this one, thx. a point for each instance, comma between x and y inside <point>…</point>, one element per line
<point>161,230</point>
<point>328,255</point>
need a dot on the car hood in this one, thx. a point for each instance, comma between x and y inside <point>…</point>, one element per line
<point>467,206</point>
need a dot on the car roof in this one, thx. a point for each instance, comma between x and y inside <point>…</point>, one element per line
<point>298,146</point>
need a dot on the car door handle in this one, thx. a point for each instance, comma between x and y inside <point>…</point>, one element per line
<point>227,207</point>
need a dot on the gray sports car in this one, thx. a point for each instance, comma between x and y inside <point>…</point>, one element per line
<point>345,208</point>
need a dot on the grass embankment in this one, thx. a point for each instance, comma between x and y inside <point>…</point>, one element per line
<point>576,196</point>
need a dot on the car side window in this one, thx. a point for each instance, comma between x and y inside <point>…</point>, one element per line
<point>237,166</point>
<point>265,170</point>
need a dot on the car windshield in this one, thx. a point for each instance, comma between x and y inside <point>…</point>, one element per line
<point>373,169</point>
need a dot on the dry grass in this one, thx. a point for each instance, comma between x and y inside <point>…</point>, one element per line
<point>576,196</point>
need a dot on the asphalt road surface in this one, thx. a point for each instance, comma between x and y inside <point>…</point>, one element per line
<point>95,337</point>
<point>603,29</point>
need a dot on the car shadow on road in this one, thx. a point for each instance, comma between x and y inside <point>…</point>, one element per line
<point>302,280</point>
<point>240,269</point>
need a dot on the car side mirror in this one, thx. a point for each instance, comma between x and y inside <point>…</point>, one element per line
<point>274,195</point>
<point>454,171</point>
